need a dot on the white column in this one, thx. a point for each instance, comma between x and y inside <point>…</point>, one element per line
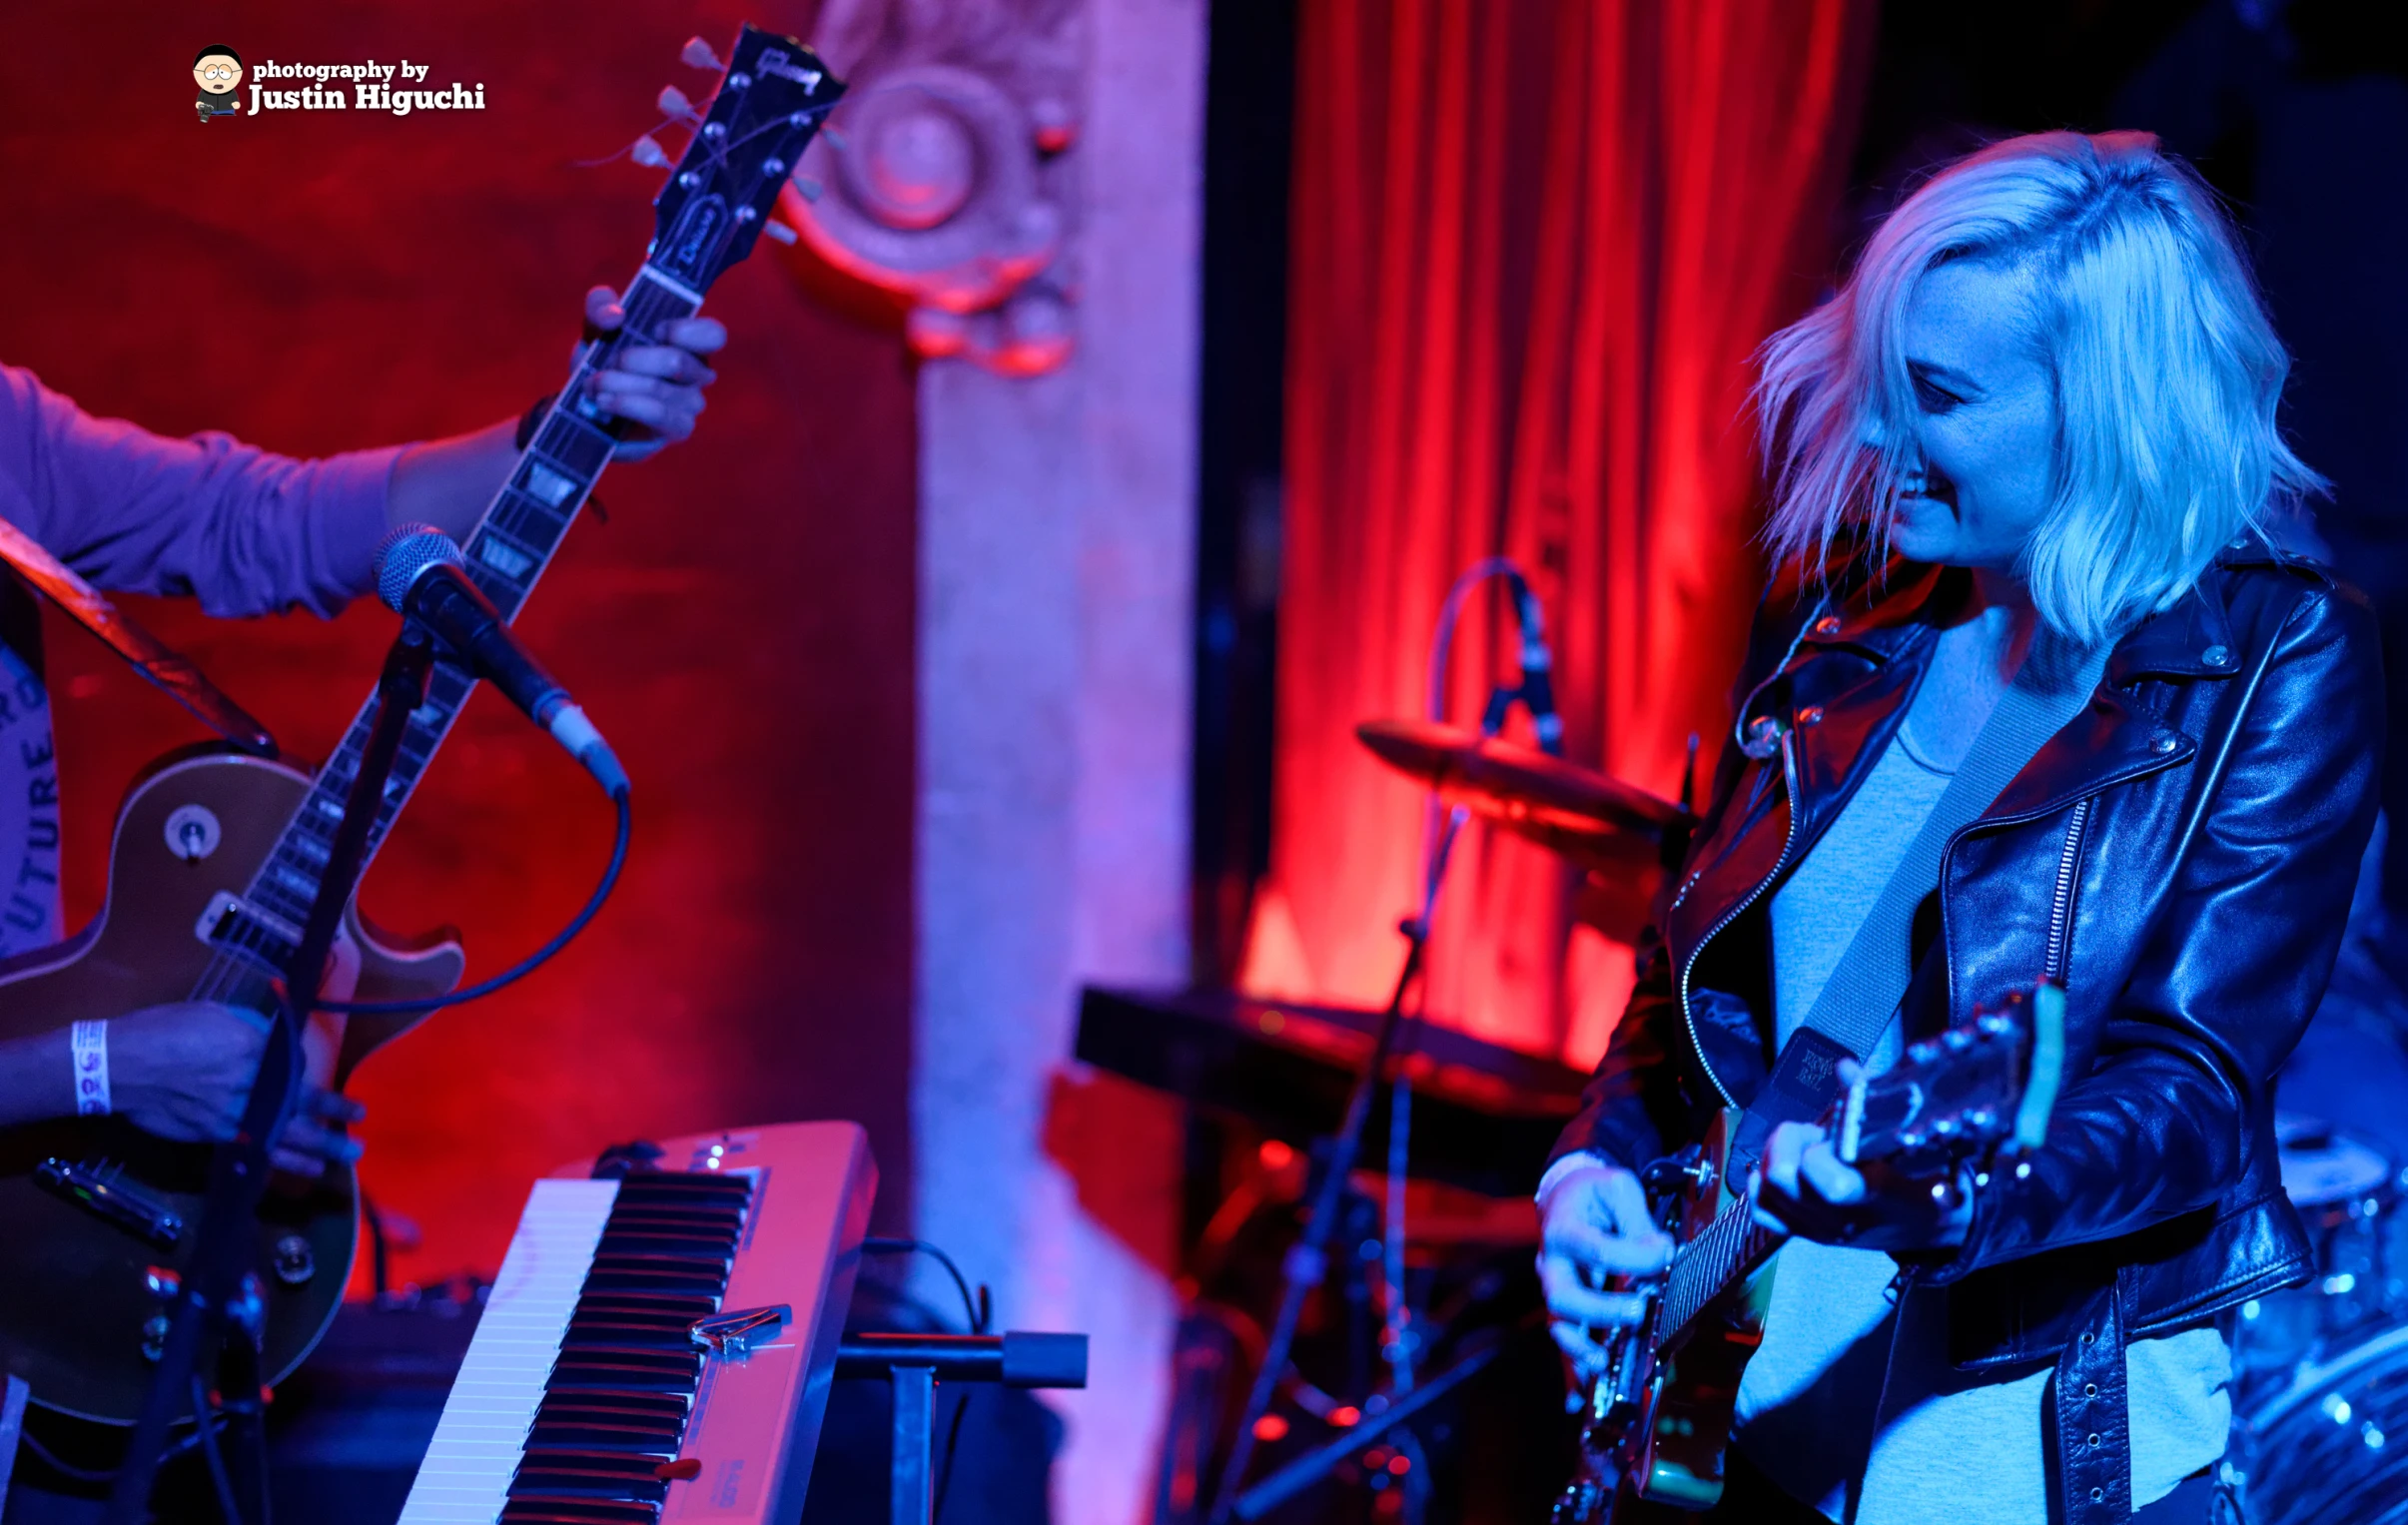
<point>1056,575</point>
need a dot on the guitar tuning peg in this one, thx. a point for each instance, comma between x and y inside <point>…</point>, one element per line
<point>780,231</point>
<point>699,52</point>
<point>672,102</point>
<point>834,136</point>
<point>649,153</point>
<point>810,190</point>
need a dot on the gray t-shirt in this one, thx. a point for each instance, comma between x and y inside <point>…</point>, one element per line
<point>1851,1393</point>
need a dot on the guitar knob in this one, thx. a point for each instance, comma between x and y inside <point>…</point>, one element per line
<point>1958,1040</point>
<point>163,1283</point>
<point>154,1338</point>
<point>295,1261</point>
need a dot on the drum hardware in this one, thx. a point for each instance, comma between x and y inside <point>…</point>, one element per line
<point>2347,1193</point>
<point>1623,838</point>
<point>2320,1411</point>
<point>1469,772</point>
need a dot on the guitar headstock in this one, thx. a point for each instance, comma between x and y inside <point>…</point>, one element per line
<point>771,99</point>
<point>1974,1088</point>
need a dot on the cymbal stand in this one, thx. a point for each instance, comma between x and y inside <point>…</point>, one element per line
<point>218,1295</point>
<point>1307,1262</point>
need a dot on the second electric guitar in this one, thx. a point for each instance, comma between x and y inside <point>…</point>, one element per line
<point>217,857</point>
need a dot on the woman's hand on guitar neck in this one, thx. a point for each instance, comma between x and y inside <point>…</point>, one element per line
<point>183,1071</point>
<point>1595,1235</point>
<point>1804,1189</point>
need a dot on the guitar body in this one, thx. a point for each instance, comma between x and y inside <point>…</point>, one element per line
<point>76,1287</point>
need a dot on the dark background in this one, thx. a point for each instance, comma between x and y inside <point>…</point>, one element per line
<point>741,627</point>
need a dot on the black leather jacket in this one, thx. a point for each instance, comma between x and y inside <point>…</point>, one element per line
<point>2180,856</point>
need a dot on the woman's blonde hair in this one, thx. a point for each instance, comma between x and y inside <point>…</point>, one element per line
<point>2166,373</point>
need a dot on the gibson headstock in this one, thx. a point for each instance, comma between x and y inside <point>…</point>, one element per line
<point>1974,1088</point>
<point>772,98</point>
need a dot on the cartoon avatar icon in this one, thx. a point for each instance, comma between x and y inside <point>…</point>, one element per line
<point>219,73</point>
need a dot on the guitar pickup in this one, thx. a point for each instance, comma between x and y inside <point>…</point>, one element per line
<point>232,925</point>
<point>99,1190</point>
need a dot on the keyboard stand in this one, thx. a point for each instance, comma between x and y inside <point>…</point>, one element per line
<point>915,1363</point>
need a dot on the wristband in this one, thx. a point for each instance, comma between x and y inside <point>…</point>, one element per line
<point>88,1045</point>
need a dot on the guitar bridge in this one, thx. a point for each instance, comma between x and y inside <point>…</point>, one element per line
<point>97,1189</point>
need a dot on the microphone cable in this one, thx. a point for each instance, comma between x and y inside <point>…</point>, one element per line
<point>534,961</point>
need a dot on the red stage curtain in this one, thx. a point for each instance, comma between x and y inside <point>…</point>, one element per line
<point>1534,245</point>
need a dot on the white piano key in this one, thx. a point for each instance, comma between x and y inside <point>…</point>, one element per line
<point>465,1477</point>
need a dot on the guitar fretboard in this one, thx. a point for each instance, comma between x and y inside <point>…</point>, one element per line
<point>1705,1268</point>
<point>517,539</point>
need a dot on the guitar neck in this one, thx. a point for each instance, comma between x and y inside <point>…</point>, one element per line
<point>1715,1259</point>
<point>521,531</point>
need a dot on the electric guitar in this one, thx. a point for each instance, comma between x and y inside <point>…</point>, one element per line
<point>1657,1422</point>
<point>217,856</point>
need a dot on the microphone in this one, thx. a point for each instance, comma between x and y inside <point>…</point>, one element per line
<point>421,576</point>
<point>1538,664</point>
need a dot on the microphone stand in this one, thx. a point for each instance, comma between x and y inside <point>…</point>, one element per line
<point>219,1294</point>
<point>1307,1262</point>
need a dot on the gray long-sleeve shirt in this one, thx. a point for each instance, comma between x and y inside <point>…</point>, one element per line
<point>241,530</point>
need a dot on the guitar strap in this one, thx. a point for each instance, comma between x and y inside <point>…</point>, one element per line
<point>144,653</point>
<point>1861,995</point>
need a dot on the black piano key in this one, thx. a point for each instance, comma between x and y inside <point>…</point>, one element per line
<point>659,1441</point>
<point>621,1413</point>
<point>572,1472</point>
<point>627,1370</point>
<point>716,1198</point>
<point>649,1357</point>
<point>726,1225</point>
<point>664,1211</point>
<point>706,1249</point>
<point>676,1335</point>
<point>631,1405</point>
<point>558,1510</point>
<point>659,1301</point>
<point>656,1278</point>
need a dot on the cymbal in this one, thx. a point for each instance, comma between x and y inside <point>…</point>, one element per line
<point>1599,823</point>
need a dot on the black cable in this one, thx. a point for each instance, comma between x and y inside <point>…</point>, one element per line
<point>953,1437</point>
<point>976,1309</point>
<point>104,1475</point>
<point>534,961</point>
<point>970,1305</point>
<point>232,1511</point>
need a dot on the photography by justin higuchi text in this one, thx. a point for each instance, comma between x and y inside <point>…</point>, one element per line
<point>393,88</point>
